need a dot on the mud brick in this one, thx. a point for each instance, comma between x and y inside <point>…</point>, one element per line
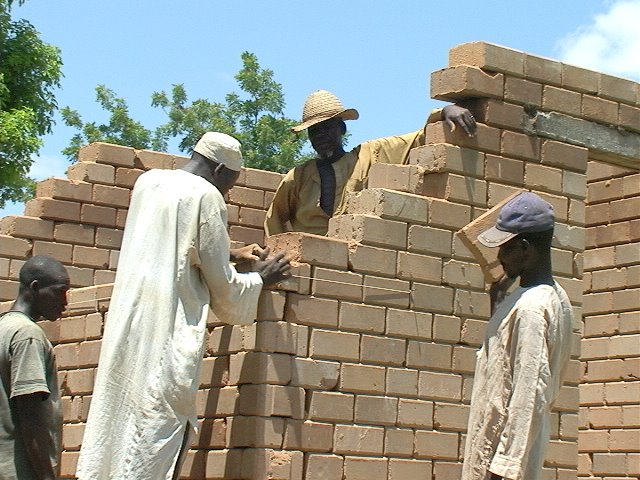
<point>259,367</point>
<point>59,251</point>
<point>616,88</point>
<point>372,410</point>
<point>226,339</point>
<point>90,257</point>
<point>382,351</point>
<point>463,274</point>
<point>562,262</point>
<point>562,155</point>
<point>625,209</point>
<point>419,267</point>
<point>389,204</point>
<point>308,436</point>
<point>541,177</point>
<point>432,298</point>
<point>429,240</point>
<point>5,268</point>
<point>508,170</point>
<point>602,171</point>
<point>580,79</point>
<point>48,208</point>
<point>271,305</point>
<point>272,400</point>
<point>280,337</point>
<point>629,117</point>
<point>300,280</point>
<point>401,469</point>
<point>89,353</point>
<point>368,230</point>
<point>9,290</point>
<point>520,145</point>
<point>415,413</point>
<point>111,196</point>
<point>438,445</point>
<point>246,235</point>
<point>594,303</point>
<point>446,158</point>
<point>214,372</point>
<point>26,227</point>
<point>446,328</point>
<point>279,464</point>
<point>627,254</point>
<point>262,179</point>
<point>98,215</point>
<point>464,359</point>
<point>440,386</point>
<point>255,432</point>
<point>403,178</point>
<point>487,56</point>
<point>361,378</point>
<point>92,173</point>
<point>127,177</point>
<point>626,299</point>
<point>80,381</point>
<point>468,303</point>
<point>378,261</point>
<point>473,332</point>
<point>605,190</point>
<point>429,355</point>
<point>611,234</point>
<point>233,214</point>
<point>599,258</point>
<point>337,284</point>
<point>68,463</point>
<point>109,238</point>
<point>598,214</point>
<point>386,291</point>
<point>334,345</point>
<point>497,193</point>
<point>561,100</point>
<point>408,324</point>
<point>312,249</point>
<point>121,217</point>
<point>321,467</point>
<point>624,440</point>
<point>456,188</point>
<point>563,454</point>
<point>355,439</point>
<point>496,113</point>
<point>543,70</point>
<point>402,382</point>
<point>252,217</point>
<point>314,374</point>
<point>451,417</point>
<point>180,161</point>
<point>268,199</point>
<point>221,463</point>
<point>464,81</point>
<point>361,317</point>
<point>66,355</point>
<point>75,233</point>
<point>448,215</point>
<point>148,159</point>
<point>398,442</point>
<point>312,311</point>
<point>17,247</point>
<point>331,406</point>
<point>64,189</point>
<point>107,153</point>
<point>592,394</point>
<point>599,110</point>
<point>486,139</point>
<point>248,197</point>
<point>574,184</point>
<point>523,92</point>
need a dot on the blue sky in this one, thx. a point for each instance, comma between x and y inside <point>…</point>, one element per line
<point>377,56</point>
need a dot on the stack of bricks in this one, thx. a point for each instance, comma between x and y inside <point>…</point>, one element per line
<point>610,392</point>
<point>361,366</point>
<point>80,220</point>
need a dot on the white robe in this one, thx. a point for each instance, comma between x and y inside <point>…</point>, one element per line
<point>518,376</point>
<point>173,265</point>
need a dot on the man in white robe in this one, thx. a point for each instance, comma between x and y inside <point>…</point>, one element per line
<point>174,265</point>
<point>521,364</point>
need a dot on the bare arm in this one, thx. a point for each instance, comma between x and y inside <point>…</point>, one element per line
<point>37,440</point>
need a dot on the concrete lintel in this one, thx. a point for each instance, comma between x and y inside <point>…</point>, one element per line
<point>605,143</point>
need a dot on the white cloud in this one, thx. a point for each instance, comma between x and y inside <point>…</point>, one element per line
<point>610,43</point>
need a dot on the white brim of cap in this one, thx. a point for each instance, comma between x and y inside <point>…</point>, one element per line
<point>495,237</point>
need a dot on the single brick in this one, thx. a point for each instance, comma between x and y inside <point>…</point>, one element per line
<point>542,70</point>
<point>447,158</point>
<point>629,117</point>
<point>361,317</point>
<point>321,467</point>
<point>111,196</point>
<point>456,188</point>
<point>519,145</point>
<point>419,267</point>
<point>92,173</point>
<point>355,439</point>
<point>429,240</point>
<point>148,159</point>
<point>259,367</point>
<point>337,284</point>
<point>362,378</point>
<point>16,247</point>
<point>489,57</point>
<point>415,413</point>
<point>368,230</point>
<point>308,436</point>
<point>386,291</point>
<point>331,406</point>
<point>109,238</point>
<point>252,217</point>
<point>562,155</point>
<point>107,153</point>
<point>312,249</point>
<point>506,170</point>
<point>75,233</point>
<point>449,215</point>
<point>378,261</point>
<point>48,208</point>
<point>462,274</point>
<point>314,374</point>
<point>60,251</point>
<point>127,177</point>
<point>262,179</point>
<point>599,110</point>
<point>271,305</point>
<point>98,215</point>
<point>496,113</point>
<point>486,139</point>
<point>26,227</point>
<point>334,345</point>
<point>440,386</point>
<point>580,79</point>
<point>429,355</point>
<point>403,178</point>
<point>382,351</point>
<point>372,410</point>
<point>464,81</point>
<point>311,311</point>
<point>402,469</point>
<point>541,177</point>
<point>277,337</point>
<point>561,100</point>
<point>523,92</point>
<point>214,372</point>
<point>248,197</point>
<point>64,189</point>
<point>446,328</point>
<point>272,400</point>
<point>90,257</point>
<point>451,417</point>
<point>246,235</point>
<point>389,204</point>
<point>464,359</point>
<point>437,445</point>
<point>398,442</point>
<point>432,298</point>
<point>402,382</point>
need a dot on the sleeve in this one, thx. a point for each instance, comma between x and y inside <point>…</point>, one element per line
<point>234,296</point>
<point>527,403</point>
<point>281,209</point>
<point>29,367</point>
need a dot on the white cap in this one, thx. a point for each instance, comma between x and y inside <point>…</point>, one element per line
<point>220,148</point>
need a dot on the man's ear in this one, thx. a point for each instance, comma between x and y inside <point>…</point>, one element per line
<point>34,285</point>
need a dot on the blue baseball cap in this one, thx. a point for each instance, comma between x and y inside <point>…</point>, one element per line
<point>526,213</point>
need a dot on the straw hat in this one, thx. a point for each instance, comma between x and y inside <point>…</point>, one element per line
<point>323,105</point>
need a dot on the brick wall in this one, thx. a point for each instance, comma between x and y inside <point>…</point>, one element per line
<point>361,365</point>
<point>610,392</point>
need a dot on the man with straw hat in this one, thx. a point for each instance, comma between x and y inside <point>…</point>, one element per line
<point>312,193</point>
<point>521,364</point>
<point>173,267</point>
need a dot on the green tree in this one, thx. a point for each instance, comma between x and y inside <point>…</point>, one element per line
<point>254,116</point>
<point>30,70</point>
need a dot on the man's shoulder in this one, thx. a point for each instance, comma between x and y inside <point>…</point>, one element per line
<point>17,326</point>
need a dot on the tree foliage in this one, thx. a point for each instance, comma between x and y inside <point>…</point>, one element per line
<point>254,116</point>
<point>30,70</point>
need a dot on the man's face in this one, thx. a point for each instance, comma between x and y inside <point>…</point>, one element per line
<point>326,137</point>
<point>51,299</point>
<point>512,257</point>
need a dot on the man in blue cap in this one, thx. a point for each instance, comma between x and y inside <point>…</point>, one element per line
<point>521,364</point>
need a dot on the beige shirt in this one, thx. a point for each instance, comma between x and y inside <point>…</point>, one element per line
<point>518,376</point>
<point>297,199</point>
<point>27,366</point>
<point>173,267</point>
